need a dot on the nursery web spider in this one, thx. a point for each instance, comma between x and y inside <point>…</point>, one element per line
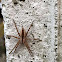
<point>22,38</point>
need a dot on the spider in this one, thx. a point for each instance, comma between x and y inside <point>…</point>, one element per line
<point>22,38</point>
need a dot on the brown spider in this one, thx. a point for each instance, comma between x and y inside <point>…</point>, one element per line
<point>22,38</point>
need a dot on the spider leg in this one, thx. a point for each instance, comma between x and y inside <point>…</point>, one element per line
<point>15,50</point>
<point>29,28</point>
<point>15,46</point>
<point>37,39</point>
<point>13,36</point>
<point>16,28</point>
<point>26,44</point>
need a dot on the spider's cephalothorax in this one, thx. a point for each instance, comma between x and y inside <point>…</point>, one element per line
<point>23,35</point>
<point>22,38</point>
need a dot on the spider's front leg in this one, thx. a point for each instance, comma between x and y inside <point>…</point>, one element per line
<point>29,28</point>
<point>13,36</point>
<point>16,27</point>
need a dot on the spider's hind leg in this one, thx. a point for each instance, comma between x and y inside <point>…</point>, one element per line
<point>15,46</point>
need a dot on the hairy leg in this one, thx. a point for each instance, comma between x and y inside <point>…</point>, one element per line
<point>13,36</point>
<point>15,46</point>
<point>26,44</point>
<point>16,28</point>
<point>29,28</point>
